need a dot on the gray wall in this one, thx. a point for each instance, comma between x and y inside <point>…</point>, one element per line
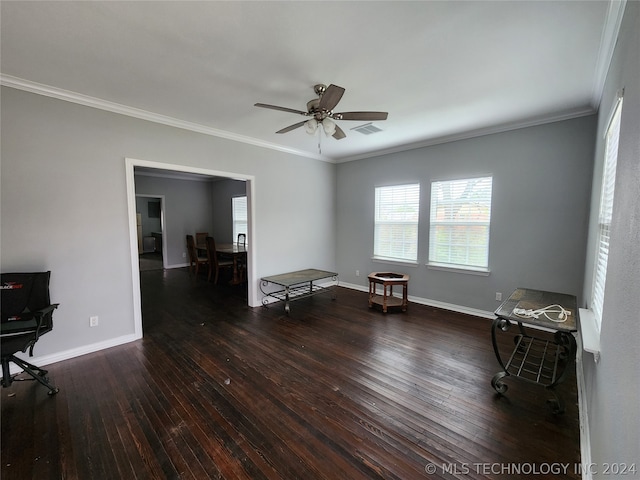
<point>187,210</point>
<point>540,207</point>
<point>56,155</point>
<point>613,385</point>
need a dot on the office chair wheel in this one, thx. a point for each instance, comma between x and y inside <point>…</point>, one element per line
<point>53,391</point>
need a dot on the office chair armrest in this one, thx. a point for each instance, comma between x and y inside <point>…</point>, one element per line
<point>43,311</point>
<point>40,315</point>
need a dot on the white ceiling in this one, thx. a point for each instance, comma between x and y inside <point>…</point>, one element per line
<point>443,70</point>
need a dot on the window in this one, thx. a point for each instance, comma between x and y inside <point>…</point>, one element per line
<point>460,219</point>
<point>606,212</point>
<point>396,222</point>
<point>239,212</point>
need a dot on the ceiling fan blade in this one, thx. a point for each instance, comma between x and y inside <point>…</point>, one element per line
<point>291,127</point>
<point>331,97</point>
<point>361,116</point>
<point>283,109</point>
<point>339,134</point>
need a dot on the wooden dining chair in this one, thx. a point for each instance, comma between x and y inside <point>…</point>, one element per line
<point>194,258</point>
<point>215,262</point>
<point>201,242</point>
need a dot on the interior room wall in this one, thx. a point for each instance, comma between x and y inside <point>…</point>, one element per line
<point>188,209</point>
<point>540,207</point>
<point>613,385</point>
<point>56,155</point>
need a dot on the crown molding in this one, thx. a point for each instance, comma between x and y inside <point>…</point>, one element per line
<point>608,42</point>
<point>93,102</point>
<point>506,127</point>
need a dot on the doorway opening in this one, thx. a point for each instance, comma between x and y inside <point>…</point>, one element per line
<point>150,231</point>
<point>130,166</point>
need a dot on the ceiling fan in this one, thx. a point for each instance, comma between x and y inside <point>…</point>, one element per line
<point>321,112</point>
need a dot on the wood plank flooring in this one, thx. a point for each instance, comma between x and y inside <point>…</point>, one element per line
<point>216,389</point>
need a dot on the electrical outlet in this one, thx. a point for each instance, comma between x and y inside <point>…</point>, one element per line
<point>499,296</point>
<point>93,321</point>
<point>357,273</point>
<point>184,254</point>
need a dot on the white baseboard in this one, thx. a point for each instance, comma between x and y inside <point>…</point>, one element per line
<point>177,265</point>
<point>432,303</point>
<point>585,436</point>
<point>72,353</point>
<point>44,360</point>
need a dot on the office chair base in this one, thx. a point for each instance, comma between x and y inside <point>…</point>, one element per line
<point>38,374</point>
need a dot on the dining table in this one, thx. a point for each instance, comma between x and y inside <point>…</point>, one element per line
<point>238,253</point>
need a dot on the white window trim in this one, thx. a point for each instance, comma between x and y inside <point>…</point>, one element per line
<point>396,261</point>
<point>459,268</point>
<point>606,203</point>
<point>388,259</point>
<point>483,272</point>
<point>591,318</point>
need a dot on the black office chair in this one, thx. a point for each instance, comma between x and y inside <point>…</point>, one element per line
<point>27,313</point>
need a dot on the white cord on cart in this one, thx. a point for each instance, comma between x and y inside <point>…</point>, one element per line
<point>562,312</point>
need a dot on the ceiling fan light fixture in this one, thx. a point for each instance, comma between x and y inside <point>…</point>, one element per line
<point>321,112</point>
<point>329,126</point>
<point>310,126</point>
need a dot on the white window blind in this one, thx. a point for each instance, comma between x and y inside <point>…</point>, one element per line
<point>239,213</point>
<point>397,210</point>
<point>460,220</point>
<point>606,212</point>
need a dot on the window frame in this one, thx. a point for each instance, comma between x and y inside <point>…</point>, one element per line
<point>436,262</point>
<point>235,222</point>
<point>605,212</point>
<point>392,253</point>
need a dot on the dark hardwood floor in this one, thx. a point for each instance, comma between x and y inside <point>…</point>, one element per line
<point>216,389</point>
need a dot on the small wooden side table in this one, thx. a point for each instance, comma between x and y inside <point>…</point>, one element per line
<point>387,299</point>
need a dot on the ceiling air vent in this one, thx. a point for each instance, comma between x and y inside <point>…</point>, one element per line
<point>367,129</point>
